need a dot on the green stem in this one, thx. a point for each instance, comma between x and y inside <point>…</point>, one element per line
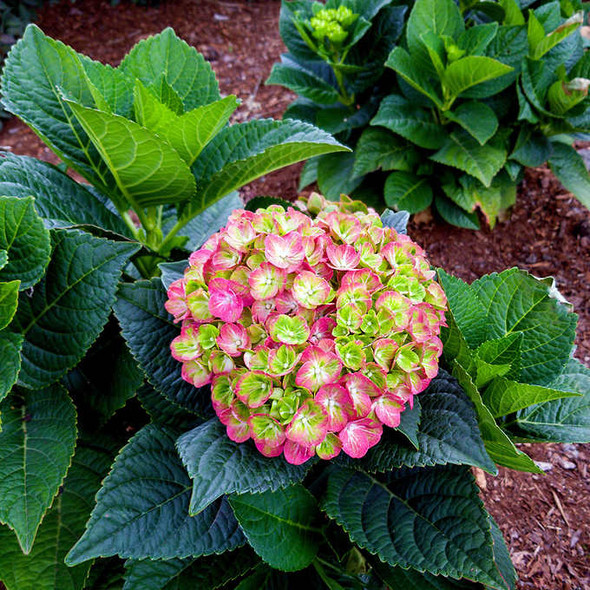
<point>345,98</point>
<point>172,234</point>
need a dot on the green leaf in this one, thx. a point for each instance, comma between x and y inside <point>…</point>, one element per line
<point>146,170</point>
<point>149,111</point>
<point>336,175</point>
<point>468,311</point>
<point>105,379</point>
<point>502,556</point>
<point>36,446</point>
<point>8,302</point>
<point>219,466</point>
<point>504,396</point>
<point>563,420</point>
<point>164,412</point>
<point>181,66</point>
<point>498,358</point>
<point>470,71</point>
<point>44,568</point>
<point>10,347</point>
<point>532,148</point>
<point>241,153</point>
<point>498,445</point>
<point>191,132</point>
<point>417,125</point>
<point>379,149</point>
<point>448,434</point>
<point>410,423</point>
<point>517,302</point>
<point>279,526</point>
<point>35,69</point>
<point>540,43</point>
<point>568,166</point>
<point>142,508</point>
<point>303,82</point>
<point>409,579</point>
<point>476,39</point>
<point>208,573</point>
<point>401,61</point>
<point>148,329</point>
<point>439,17</point>
<point>211,220</point>
<point>394,520</point>
<point>477,118</point>
<point>462,151</point>
<point>70,305</point>
<point>59,200</point>
<point>408,192</point>
<point>454,214</point>
<point>111,88</point>
<point>24,237</point>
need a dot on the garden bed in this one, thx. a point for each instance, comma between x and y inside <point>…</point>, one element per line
<point>545,523</point>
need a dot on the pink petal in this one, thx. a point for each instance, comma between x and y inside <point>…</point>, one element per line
<point>233,339</point>
<point>388,409</point>
<point>284,251</point>
<point>359,436</point>
<point>309,425</point>
<point>330,447</point>
<point>337,405</point>
<point>196,373</point>
<point>297,454</point>
<point>343,257</point>
<point>225,305</point>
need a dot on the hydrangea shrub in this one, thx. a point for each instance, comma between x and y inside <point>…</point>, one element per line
<point>313,333</point>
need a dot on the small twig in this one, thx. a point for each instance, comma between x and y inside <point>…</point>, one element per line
<point>560,508</point>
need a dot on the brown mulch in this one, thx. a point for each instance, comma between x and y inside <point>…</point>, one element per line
<point>545,518</point>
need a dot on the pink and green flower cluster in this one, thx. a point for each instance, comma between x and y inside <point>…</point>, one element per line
<point>313,333</point>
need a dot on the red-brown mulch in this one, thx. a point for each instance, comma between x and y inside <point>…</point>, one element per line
<point>545,518</point>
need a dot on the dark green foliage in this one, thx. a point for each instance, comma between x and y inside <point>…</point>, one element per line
<point>443,102</point>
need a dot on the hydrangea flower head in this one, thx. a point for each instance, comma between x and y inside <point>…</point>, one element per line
<point>314,328</point>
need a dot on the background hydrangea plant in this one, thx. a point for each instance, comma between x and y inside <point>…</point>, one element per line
<point>115,471</point>
<point>445,103</point>
<point>313,333</point>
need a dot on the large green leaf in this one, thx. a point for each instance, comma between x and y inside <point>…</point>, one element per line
<point>407,192</point>
<point>25,239</point>
<point>468,311</point>
<point>303,82</point>
<point>409,579</point>
<point>102,392</point>
<point>10,347</point>
<point>517,302</point>
<point>401,61</point>
<point>211,220</point>
<point>59,200</point>
<point>44,567</point>
<point>504,396</point>
<point>415,124</point>
<point>380,149</point>
<point>448,433</point>
<point>498,445</point>
<point>563,420</point>
<point>455,215</point>
<point>35,71</point>
<point>280,526</point>
<point>147,171</point>
<point>8,302</point>
<point>70,305</point>
<point>335,175</point>
<point>394,519</point>
<point>461,150</point>
<point>182,67</point>
<point>568,166</point>
<point>477,118</point>
<point>439,18</point>
<point>142,508</point>
<point>36,446</point>
<point>218,466</point>
<point>498,358</point>
<point>188,574</point>
<point>241,153</point>
<point>148,329</point>
<point>464,73</point>
<point>540,43</point>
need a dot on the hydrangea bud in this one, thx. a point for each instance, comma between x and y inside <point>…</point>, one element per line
<point>313,332</point>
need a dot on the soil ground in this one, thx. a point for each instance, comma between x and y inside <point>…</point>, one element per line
<point>545,518</point>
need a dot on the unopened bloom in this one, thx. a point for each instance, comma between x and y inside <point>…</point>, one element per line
<point>313,333</point>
